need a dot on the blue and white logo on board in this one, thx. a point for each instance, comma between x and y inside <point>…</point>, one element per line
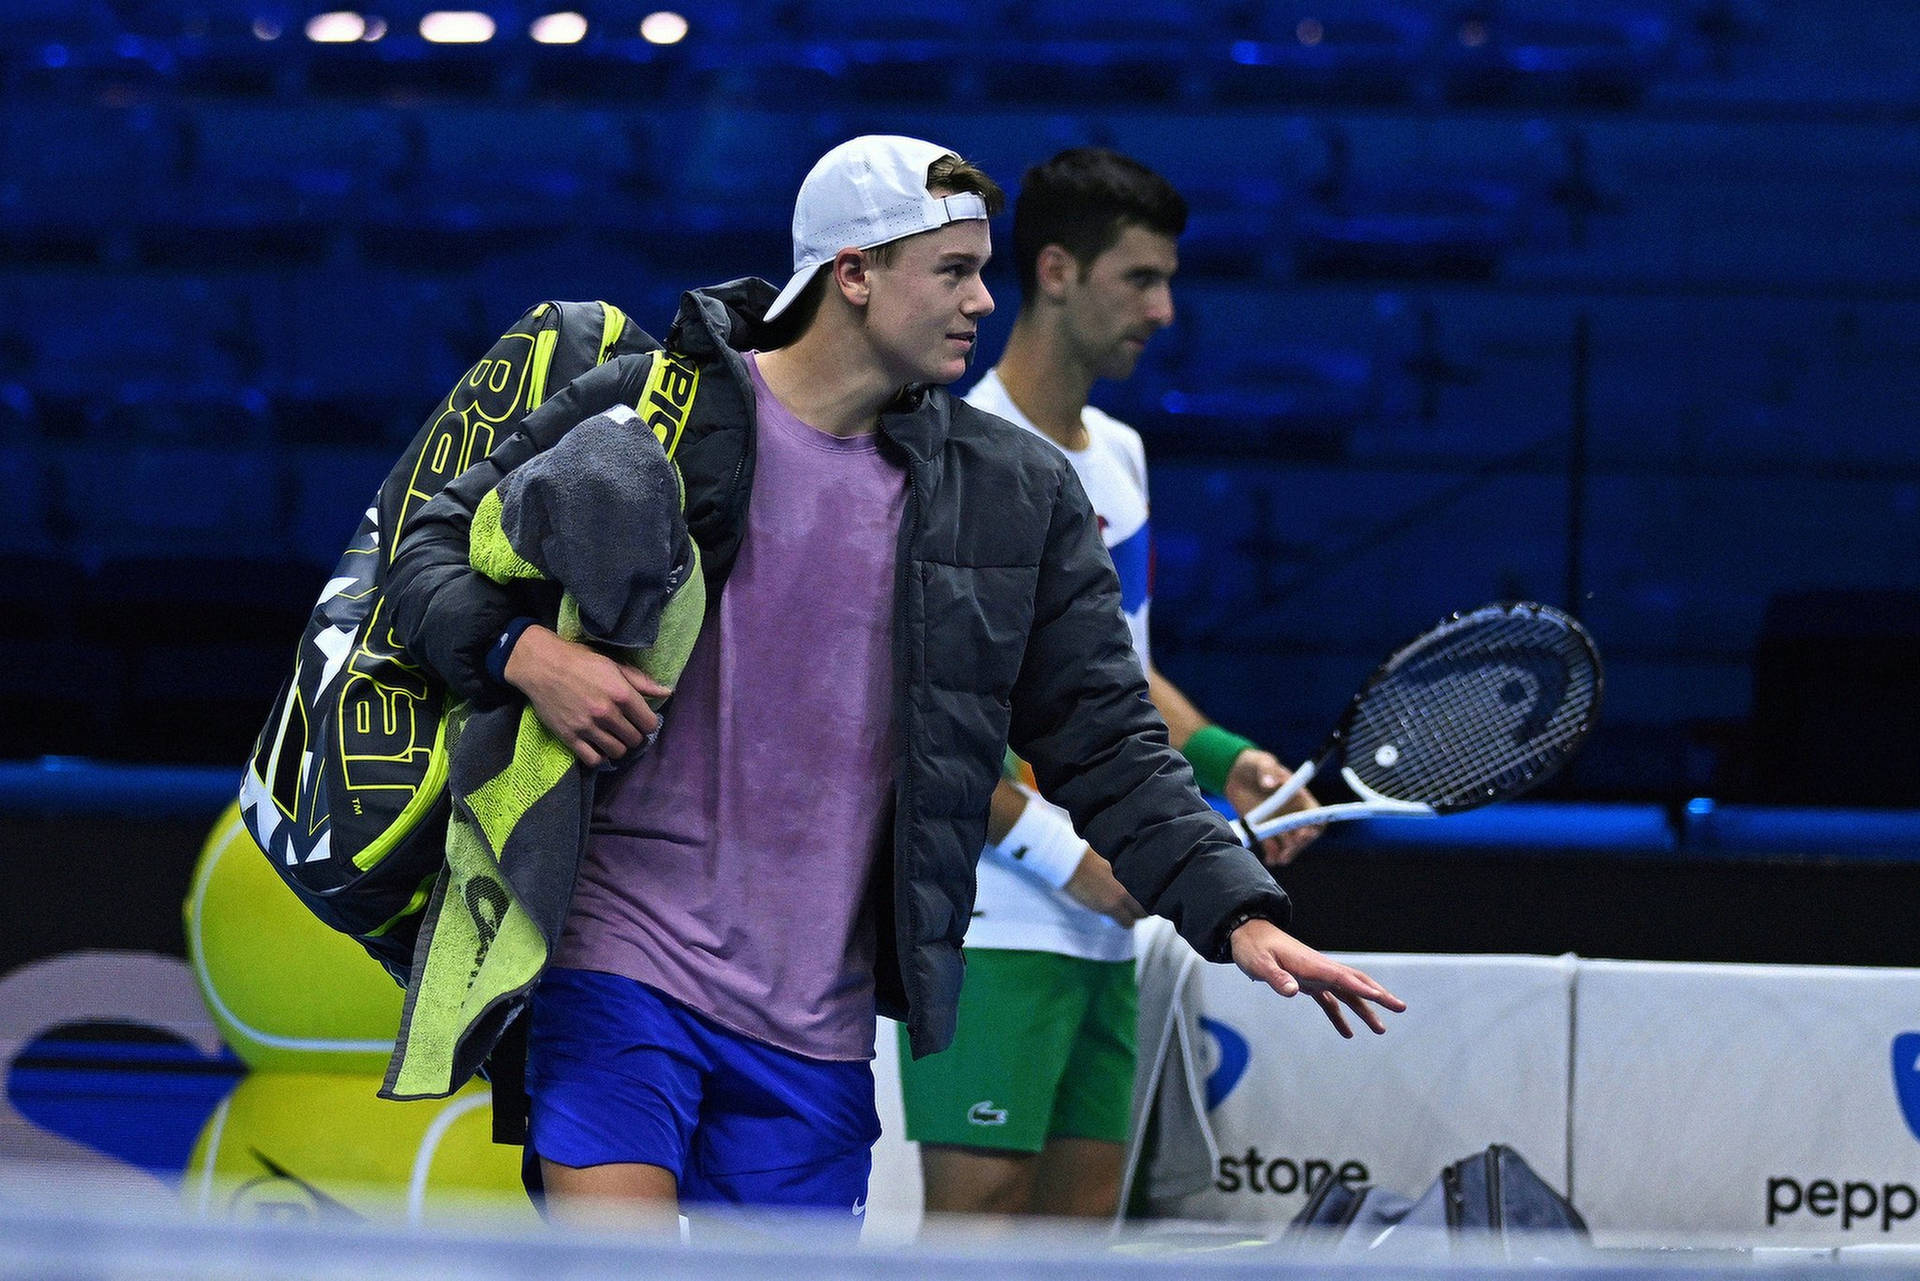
<point>1906,1078</point>
<point>1233,1054</point>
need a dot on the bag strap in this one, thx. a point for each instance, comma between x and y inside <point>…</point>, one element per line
<point>666,401</point>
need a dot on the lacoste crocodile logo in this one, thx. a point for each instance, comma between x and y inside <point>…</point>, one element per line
<point>984,1113</point>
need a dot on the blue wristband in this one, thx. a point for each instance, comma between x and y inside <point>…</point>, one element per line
<point>502,649</point>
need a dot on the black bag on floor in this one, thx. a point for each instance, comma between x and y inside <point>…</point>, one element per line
<point>1489,1205</point>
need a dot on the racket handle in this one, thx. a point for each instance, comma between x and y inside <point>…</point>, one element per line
<point>1338,814</point>
<point>1266,809</point>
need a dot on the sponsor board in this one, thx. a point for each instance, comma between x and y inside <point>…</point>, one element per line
<point>1480,1057</point>
<point>109,1063</point>
<point>116,1075</point>
<point>1747,1105</point>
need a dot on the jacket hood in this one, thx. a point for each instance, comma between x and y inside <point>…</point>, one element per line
<point>728,318</point>
<point>721,318</point>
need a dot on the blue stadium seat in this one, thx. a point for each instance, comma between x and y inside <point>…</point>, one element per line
<point>158,413</point>
<point>25,24</point>
<point>201,642</point>
<point>139,328</point>
<point>71,170</point>
<point>1776,832</point>
<point>333,486</point>
<point>123,69</point>
<point>58,698</point>
<point>287,184</point>
<point>118,499</point>
<point>357,334</point>
<point>341,418</point>
<point>769,74</point>
<point>19,407</point>
<point>77,48</point>
<point>1537,52</point>
<point>229,50</point>
<point>1298,400</point>
<point>908,20</point>
<point>1076,73</point>
<point>1077,54</point>
<point>38,597</point>
<point>199,703</point>
<point>20,467</point>
<point>1834,719</point>
<point>404,65</point>
<point>1532,827</point>
<point>1344,51</point>
<point>605,70</point>
<point>917,51</point>
<point>1456,230</point>
<point>1168,22</point>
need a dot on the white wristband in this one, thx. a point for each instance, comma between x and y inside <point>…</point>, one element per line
<point>1043,841</point>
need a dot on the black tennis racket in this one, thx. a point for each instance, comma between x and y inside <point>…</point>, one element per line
<point>1482,708</point>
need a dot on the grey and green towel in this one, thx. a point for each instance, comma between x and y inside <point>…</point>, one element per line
<point>601,515</point>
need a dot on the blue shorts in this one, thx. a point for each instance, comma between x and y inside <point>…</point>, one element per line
<point>617,1072</point>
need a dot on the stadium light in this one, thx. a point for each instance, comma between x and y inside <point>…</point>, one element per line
<point>338,27</point>
<point>376,28</point>
<point>559,28</point>
<point>456,26</point>
<point>663,28</point>
<point>266,29</point>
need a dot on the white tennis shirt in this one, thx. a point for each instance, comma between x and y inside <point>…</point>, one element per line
<point>1014,909</point>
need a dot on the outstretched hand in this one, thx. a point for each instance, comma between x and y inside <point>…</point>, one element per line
<point>1255,776</point>
<point>595,706</point>
<point>1270,955</point>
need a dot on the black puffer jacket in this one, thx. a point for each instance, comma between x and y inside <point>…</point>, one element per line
<point>1008,631</point>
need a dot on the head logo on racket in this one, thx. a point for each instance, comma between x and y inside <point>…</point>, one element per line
<point>1525,681</point>
<point>1485,706</point>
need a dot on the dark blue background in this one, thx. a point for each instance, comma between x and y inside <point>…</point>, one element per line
<point>1608,305</point>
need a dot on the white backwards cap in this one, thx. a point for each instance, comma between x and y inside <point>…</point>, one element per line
<point>864,193</point>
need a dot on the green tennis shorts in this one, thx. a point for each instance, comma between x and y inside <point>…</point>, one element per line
<point>1045,1048</point>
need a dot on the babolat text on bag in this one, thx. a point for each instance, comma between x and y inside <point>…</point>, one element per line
<point>346,789</point>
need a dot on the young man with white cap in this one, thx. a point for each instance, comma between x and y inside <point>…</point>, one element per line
<point>899,585</point>
<point>1046,1023</point>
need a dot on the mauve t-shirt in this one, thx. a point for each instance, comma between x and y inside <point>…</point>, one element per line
<point>728,867</point>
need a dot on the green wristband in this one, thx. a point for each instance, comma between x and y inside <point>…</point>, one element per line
<point>1010,766</point>
<point>1212,751</point>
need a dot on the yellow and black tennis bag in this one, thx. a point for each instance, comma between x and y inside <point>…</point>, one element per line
<point>346,789</point>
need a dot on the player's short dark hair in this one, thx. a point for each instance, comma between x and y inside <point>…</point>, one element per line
<point>954,176</point>
<point>1082,200</point>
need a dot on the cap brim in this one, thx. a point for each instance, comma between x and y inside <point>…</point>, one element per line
<point>801,279</point>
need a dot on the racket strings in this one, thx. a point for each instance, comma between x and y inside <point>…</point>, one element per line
<point>1476,712</point>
